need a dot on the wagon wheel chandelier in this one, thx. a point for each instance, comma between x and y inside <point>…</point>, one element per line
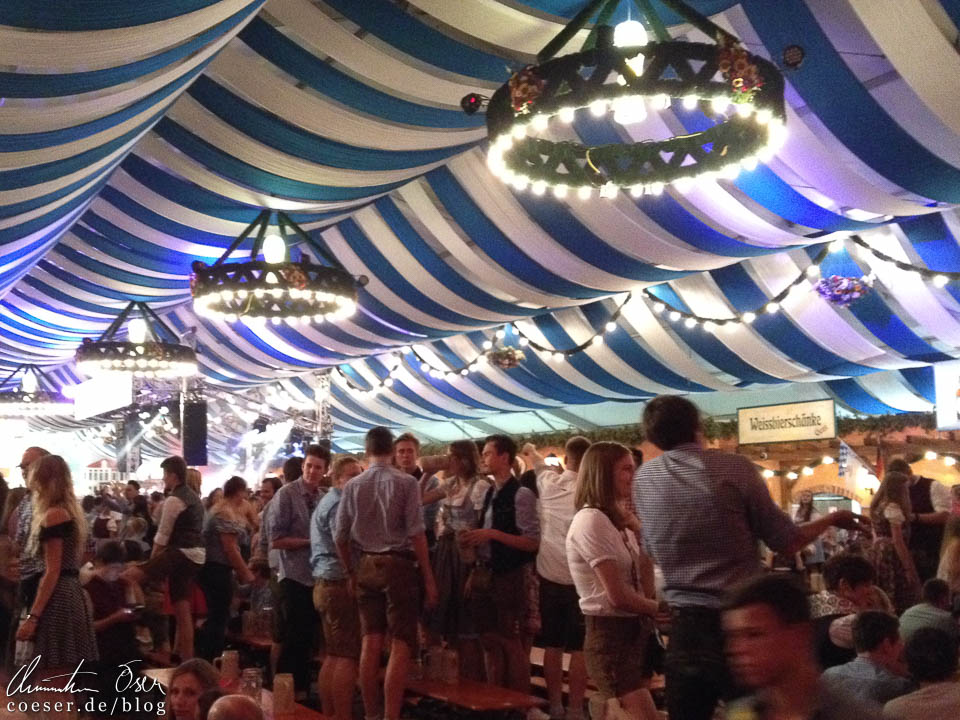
<point>150,350</point>
<point>274,288</point>
<point>32,400</point>
<point>619,72</point>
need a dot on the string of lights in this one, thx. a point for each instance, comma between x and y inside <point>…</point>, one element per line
<point>939,278</point>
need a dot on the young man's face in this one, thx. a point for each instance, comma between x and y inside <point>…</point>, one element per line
<point>494,461</point>
<point>762,649</point>
<point>406,455</point>
<point>266,492</point>
<point>314,469</point>
<point>130,492</point>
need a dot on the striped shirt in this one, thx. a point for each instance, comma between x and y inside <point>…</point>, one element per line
<point>703,514</point>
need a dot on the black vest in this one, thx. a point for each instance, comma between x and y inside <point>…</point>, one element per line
<point>503,558</point>
<point>188,527</point>
<point>925,540</point>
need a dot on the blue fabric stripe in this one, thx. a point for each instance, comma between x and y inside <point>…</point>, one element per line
<point>93,14</point>
<point>931,239</point>
<point>765,187</point>
<point>443,273</point>
<point>41,200</point>
<point>563,226</point>
<point>337,85</point>
<point>115,273</point>
<point>921,380</point>
<point>569,8</point>
<point>778,329</point>
<point>202,200</point>
<point>859,121</point>
<point>36,174</point>
<point>43,85</point>
<point>80,283</point>
<point>404,32</point>
<point>851,394</point>
<point>391,277</point>
<point>633,354</point>
<point>708,346</point>
<point>497,245</point>
<point>876,315</point>
<point>267,128</point>
<point>557,336</point>
<point>239,171</point>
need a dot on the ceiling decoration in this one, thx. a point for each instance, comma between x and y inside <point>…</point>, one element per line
<point>166,132</point>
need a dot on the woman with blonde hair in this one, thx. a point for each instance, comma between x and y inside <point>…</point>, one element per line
<point>949,569</point>
<point>59,622</point>
<point>194,480</point>
<point>614,579</point>
<point>896,573</point>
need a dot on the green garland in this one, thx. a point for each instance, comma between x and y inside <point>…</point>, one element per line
<point>632,435</point>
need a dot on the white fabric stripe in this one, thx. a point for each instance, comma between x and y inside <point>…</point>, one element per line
<point>263,83</point>
<point>501,25</point>
<point>72,241</point>
<point>60,224</point>
<point>701,295</point>
<point>26,217</point>
<point>373,225</point>
<point>458,244</point>
<point>833,328</point>
<point>78,109</point>
<point>98,49</point>
<point>889,388</point>
<point>494,199</point>
<point>657,341</point>
<point>100,280</point>
<point>323,36</point>
<point>157,151</point>
<point>207,126</point>
<point>355,266</point>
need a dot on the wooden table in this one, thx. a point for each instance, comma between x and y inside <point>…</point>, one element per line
<point>257,642</point>
<point>163,675</point>
<point>473,695</point>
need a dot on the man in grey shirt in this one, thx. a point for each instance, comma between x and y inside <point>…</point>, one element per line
<point>288,527</point>
<point>380,516</point>
<point>703,513</point>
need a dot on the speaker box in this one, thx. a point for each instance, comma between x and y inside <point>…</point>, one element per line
<point>194,433</point>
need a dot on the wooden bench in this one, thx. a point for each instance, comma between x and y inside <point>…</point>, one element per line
<point>163,675</point>
<point>472,695</point>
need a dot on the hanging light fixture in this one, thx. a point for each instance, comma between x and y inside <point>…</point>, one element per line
<point>150,350</point>
<point>31,400</point>
<point>742,92</point>
<point>274,288</point>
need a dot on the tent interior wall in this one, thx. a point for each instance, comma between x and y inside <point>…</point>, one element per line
<point>137,138</point>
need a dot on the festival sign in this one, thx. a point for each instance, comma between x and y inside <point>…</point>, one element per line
<point>813,420</point>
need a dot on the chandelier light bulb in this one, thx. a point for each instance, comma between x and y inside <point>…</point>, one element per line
<point>611,326</point>
<point>807,471</point>
<point>598,108</point>
<point>28,383</point>
<point>940,281</point>
<point>768,473</point>
<point>631,33</point>
<point>827,460</point>
<point>791,476</point>
<point>629,110</point>
<point>764,115</point>
<point>540,122</point>
<point>744,109</point>
<point>748,317</point>
<point>772,307</point>
<point>690,323</point>
<point>566,114</point>
<point>584,192</point>
<point>636,191</point>
<point>674,315</point>
<point>660,102</point>
<point>720,103</point>
<point>749,163</point>
<point>690,102</point>
<point>539,187</point>
<point>659,307</point>
<point>655,188</point>
<point>274,249</point>
<point>813,271</point>
<point>137,331</point>
<point>929,455</point>
<point>949,460</point>
<point>560,191</point>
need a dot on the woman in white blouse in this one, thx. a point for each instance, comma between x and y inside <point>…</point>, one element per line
<point>896,573</point>
<point>614,579</point>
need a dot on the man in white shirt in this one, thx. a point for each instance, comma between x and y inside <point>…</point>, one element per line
<point>562,621</point>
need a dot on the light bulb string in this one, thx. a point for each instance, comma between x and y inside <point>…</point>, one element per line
<point>902,265</point>
<point>426,366</point>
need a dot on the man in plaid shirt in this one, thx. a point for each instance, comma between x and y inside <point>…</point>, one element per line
<point>704,513</point>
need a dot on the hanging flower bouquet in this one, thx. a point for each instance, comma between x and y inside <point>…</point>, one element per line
<point>744,77</point>
<point>505,358</point>
<point>841,290</point>
<point>525,87</point>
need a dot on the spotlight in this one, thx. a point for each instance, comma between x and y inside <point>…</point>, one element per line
<point>472,102</point>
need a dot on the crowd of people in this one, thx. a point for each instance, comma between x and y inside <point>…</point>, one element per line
<point>470,557</point>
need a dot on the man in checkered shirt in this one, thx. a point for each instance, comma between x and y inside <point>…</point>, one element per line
<point>704,513</point>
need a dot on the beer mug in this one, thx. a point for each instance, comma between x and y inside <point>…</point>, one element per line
<point>251,683</point>
<point>229,666</point>
<point>283,693</point>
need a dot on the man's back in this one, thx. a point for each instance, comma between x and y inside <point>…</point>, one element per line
<point>703,512</point>
<point>927,615</point>
<point>866,680</point>
<point>939,700</point>
<point>380,509</point>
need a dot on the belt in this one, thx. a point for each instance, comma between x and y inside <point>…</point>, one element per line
<point>405,554</point>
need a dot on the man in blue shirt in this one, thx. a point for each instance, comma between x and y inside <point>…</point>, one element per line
<point>877,674</point>
<point>334,600</point>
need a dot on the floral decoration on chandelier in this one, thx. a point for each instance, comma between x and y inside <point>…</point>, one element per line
<point>736,67</point>
<point>841,290</point>
<point>506,358</point>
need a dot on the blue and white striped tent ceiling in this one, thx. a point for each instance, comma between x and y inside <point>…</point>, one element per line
<point>136,138</point>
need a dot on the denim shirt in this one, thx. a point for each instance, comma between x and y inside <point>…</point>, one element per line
<point>324,560</point>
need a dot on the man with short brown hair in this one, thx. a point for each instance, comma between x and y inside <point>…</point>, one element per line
<point>380,515</point>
